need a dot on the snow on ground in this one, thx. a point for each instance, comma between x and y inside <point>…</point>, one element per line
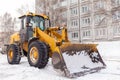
<point>110,52</point>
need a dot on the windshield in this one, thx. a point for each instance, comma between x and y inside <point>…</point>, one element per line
<point>39,22</point>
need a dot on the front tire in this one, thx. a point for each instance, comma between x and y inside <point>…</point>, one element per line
<point>38,54</point>
<point>13,55</point>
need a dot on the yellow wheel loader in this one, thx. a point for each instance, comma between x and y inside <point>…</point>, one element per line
<point>38,42</point>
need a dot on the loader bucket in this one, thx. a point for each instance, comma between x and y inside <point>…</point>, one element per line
<point>77,60</point>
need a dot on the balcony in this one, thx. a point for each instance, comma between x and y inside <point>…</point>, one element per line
<point>100,20</point>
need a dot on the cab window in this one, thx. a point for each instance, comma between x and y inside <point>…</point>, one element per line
<point>39,22</point>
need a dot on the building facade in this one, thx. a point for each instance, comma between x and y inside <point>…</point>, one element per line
<point>87,20</point>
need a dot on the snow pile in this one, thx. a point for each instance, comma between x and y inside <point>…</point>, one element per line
<point>109,50</point>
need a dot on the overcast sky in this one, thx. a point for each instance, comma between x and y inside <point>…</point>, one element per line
<point>11,6</point>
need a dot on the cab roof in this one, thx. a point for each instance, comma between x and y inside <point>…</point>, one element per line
<point>33,14</point>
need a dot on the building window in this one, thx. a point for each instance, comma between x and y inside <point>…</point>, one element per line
<point>116,15</point>
<point>74,23</point>
<point>73,1</point>
<point>75,35</point>
<point>85,9</point>
<point>100,33</point>
<point>86,34</point>
<point>116,30</point>
<point>85,21</point>
<point>100,4</point>
<point>74,11</point>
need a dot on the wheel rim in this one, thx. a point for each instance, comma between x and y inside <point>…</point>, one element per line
<point>10,54</point>
<point>34,54</point>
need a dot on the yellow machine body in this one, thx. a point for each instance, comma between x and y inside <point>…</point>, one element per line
<point>61,48</point>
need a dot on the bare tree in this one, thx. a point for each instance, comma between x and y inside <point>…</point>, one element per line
<point>25,8</point>
<point>52,9</point>
<point>7,26</point>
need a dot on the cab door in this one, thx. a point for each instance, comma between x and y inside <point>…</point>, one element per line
<point>26,31</point>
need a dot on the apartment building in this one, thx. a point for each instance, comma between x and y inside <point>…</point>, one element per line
<point>87,20</point>
<point>115,11</point>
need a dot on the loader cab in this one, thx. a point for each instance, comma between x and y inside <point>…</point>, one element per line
<point>30,21</point>
<point>40,21</point>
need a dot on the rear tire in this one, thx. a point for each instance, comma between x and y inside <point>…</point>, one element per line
<point>13,56</point>
<point>38,54</point>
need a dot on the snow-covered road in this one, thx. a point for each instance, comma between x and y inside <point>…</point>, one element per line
<point>23,71</point>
